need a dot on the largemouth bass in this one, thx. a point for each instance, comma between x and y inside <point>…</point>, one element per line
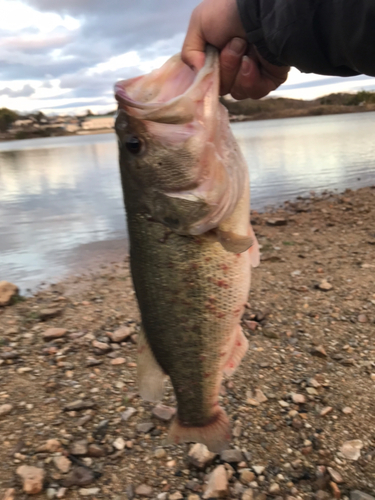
<point>187,199</point>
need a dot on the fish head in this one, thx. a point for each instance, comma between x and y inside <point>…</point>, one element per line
<point>176,148</point>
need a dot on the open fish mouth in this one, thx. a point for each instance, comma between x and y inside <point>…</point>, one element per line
<point>173,93</point>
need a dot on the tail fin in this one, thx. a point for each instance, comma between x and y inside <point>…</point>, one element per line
<point>216,435</point>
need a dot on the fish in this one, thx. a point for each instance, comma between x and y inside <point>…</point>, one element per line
<point>187,199</point>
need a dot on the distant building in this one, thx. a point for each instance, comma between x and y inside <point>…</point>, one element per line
<point>26,122</point>
<point>98,123</point>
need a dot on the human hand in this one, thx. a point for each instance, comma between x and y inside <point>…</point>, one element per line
<point>244,72</point>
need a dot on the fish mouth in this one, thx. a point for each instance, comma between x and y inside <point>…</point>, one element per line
<point>174,93</point>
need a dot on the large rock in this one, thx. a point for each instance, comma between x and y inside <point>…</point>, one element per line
<point>217,486</point>
<point>359,495</point>
<point>7,292</point>
<point>200,456</point>
<point>32,479</point>
<point>54,333</point>
<point>352,449</point>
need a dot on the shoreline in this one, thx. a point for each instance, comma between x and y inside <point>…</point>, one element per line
<point>310,324</point>
<point>319,110</point>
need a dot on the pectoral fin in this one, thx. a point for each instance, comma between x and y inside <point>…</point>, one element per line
<point>234,243</point>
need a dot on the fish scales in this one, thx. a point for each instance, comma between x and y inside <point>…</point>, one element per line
<point>188,328</point>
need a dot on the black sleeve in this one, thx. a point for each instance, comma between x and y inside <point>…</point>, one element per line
<point>328,37</point>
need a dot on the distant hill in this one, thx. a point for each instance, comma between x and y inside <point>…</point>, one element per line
<point>285,108</point>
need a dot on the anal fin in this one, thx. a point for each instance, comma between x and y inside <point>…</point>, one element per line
<point>150,374</point>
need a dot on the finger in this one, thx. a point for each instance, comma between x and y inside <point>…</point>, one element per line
<point>250,81</point>
<point>230,63</point>
<point>193,50</point>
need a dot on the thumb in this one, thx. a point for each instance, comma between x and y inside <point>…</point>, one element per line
<point>193,50</point>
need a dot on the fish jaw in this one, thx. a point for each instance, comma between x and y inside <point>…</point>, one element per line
<point>180,112</point>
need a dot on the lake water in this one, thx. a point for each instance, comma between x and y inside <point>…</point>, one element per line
<point>61,202</point>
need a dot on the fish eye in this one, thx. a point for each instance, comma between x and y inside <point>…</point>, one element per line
<point>134,145</point>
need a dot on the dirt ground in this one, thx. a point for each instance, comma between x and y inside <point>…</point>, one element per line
<point>311,327</point>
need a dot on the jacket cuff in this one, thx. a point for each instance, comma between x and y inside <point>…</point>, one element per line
<point>250,17</point>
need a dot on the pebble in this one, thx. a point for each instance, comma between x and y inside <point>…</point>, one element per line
<point>319,351</point>
<point>176,496</point>
<point>160,453</point>
<point>5,409</point>
<point>51,493</point>
<point>312,391</point>
<point>145,427</point>
<point>231,456</point>
<point>61,492</point>
<point>54,333</point>
<point>277,222</point>
<point>298,398</point>
<point>7,292</point>
<point>193,497</point>
<point>335,476</point>
<point>335,490</point>
<point>32,478</point>
<point>79,447</point>
<point>86,492</point>
<point>143,490</point>
<point>352,449</point>
<point>78,405</point>
<point>126,415</point>
<point>247,476</point>
<point>313,383</point>
<point>79,476</point>
<point>96,451</point>
<point>49,313</point>
<point>217,486</point>
<point>50,446</point>
<point>325,411</point>
<point>102,347</point>
<point>247,494</point>
<point>362,318</point>
<point>9,494</point>
<point>121,334</point>
<point>325,286</point>
<point>274,489</point>
<point>347,410</point>
<point>164,413</point>
<point>62,464</point>
<point>119,444</point>
<point>118,361</point>
<point>258,469</point>
<point>200,456</point>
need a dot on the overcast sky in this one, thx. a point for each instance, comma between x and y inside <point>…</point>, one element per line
<point>64,56</point>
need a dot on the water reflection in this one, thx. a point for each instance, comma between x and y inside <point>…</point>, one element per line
<point>59,195</point>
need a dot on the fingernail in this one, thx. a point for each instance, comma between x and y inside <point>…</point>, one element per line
<point>246,66</point>
<point>237,46</point>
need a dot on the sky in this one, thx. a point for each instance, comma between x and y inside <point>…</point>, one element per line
<point>64,56</point>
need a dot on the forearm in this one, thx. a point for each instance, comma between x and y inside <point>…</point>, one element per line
<point>333,37</point>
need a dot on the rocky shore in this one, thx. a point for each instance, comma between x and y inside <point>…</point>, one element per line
<point>302,405</point>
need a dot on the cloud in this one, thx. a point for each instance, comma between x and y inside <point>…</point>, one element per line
<point>87,45</point>
<point>26,91</point>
